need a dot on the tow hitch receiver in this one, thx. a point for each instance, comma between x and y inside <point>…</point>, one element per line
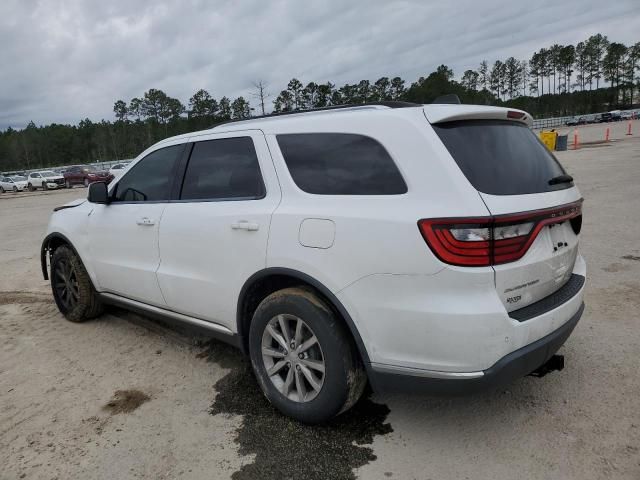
<point>556,362</point>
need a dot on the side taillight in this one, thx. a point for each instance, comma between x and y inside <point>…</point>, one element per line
<point>484,241</point>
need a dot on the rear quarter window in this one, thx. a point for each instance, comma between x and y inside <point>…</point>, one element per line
<point>501,157</point>
<point>340,164</point>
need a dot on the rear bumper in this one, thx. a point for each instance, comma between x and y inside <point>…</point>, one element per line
<point>515,365</point>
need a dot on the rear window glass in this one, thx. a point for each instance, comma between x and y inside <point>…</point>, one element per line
<point>340,164</point>
<point>501,157</point>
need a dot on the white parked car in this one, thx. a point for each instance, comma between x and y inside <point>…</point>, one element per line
<point>13,184</point>
<point>118,168</point>
<point>414,246</point>
<point>45,179</point>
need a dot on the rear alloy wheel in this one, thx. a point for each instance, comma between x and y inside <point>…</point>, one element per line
<point>30,187</point>
<point>2,189</point>
<point>293,358</point>
<point>303,356</point>
<point>67,184</point>
<point>72,289</point>
<point>86,182</point>
<point>15,189</point>
<point>45,186</point>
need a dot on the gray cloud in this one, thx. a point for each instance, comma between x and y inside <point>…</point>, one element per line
<point>64,61</point>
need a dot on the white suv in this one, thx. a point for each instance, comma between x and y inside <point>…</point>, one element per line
<point>45,180</point>
<point>413,246</point>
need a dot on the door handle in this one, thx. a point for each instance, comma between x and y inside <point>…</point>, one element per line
<point>244,225</point>
<point>145,221</point>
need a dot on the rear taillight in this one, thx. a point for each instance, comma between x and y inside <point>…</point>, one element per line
<point>484,241</point>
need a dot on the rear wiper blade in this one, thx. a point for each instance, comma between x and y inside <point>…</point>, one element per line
<point>561,179</point>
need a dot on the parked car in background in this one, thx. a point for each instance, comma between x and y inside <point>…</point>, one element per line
<point>269,233</point>
<point>615,115</point>
<point>13,184</point>
<point>85,175</point>
<point>118,168</point>
<point>572,121</point>
<point>45,179</point>
<point>626,115</point>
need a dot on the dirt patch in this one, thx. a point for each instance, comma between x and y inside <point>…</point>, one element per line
<point>286,449</point>
<point>8,298</point>
<point>126,401</point>
<point>616,267</point>
<point>631,257</point>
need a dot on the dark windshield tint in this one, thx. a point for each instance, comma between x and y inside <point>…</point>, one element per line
<point>340,164</point>
<point>500,157</point>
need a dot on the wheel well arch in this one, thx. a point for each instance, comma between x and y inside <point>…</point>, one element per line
<point>50,243</point>
<point>264,282</point>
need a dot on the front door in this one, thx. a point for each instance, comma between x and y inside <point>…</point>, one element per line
<point>123,234</point>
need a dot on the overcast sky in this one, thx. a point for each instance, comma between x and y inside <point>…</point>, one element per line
<point>61,61</point>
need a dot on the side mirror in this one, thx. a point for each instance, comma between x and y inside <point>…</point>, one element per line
<point>98,193</point>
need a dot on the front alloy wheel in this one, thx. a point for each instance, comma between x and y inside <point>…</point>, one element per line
<point>72,289</point>
<point>293,358</point>
<point>65,283</point>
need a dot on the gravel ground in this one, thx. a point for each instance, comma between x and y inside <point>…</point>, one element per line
<point>125,397</point>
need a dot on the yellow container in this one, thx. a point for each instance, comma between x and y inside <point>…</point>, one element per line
<point>549,139</point>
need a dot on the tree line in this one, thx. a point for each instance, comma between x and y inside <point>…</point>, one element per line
<point>559,80</point>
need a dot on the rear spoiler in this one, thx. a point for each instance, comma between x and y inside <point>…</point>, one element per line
<point>439,113</point>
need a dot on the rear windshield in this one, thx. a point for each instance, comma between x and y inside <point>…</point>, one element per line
<point>501,157</point>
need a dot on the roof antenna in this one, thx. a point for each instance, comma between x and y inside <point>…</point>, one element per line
<point>449,99</point>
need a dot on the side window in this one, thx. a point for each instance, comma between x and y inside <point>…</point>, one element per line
<point>225,168</point>
<point>151,179</point>
<point>340,164</point>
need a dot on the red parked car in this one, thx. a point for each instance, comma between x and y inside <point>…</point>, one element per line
<point>84,175</point>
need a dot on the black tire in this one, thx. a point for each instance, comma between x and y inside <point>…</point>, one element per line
<point>344,376</point>
<point>2,189</point>
<point>45,186</point>
<point>15,189</point>
<point>30,187</point>
<point>87,304</point>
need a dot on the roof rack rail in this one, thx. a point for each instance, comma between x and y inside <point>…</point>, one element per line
<point>390,104</point>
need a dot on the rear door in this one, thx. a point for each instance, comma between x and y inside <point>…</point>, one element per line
<point>535,206</point>
<point>215,236</point>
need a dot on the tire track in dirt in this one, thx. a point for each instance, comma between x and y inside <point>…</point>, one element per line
<point>9,298</point>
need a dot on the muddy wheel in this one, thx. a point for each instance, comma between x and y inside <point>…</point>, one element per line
<point>303,356</point>
<point>72,289</point>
